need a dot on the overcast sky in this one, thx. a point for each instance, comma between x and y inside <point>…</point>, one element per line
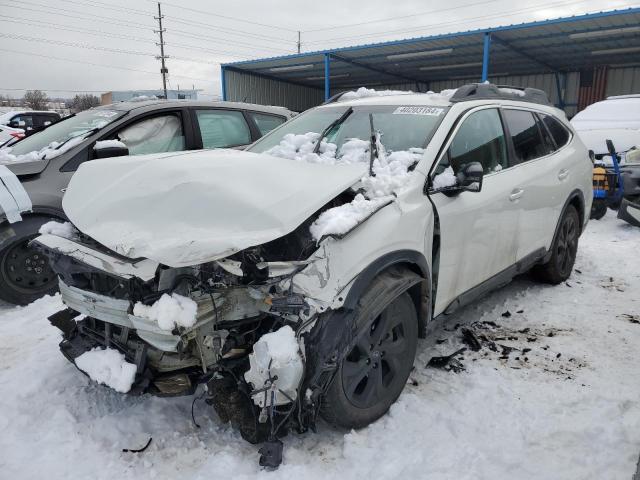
<point>70,46</point>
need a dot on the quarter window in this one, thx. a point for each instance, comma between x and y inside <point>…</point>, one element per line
<point>266,123</point>
<point>479,139</point>
<point>559,133</point>
<point>223,128</point>
<point>525,134</point>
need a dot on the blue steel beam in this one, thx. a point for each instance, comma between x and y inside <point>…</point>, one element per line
<point>485,56</point>
<point>556,21</point>
<point>223,82</point>
<point>327,76</point>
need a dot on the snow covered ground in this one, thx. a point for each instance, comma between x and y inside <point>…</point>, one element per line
<point>567,409</point>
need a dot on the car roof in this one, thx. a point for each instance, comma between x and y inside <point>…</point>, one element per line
<point>150,105</point>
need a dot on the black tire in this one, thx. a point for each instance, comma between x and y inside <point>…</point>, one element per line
<point>25,274</point>
<point>371,377</point>
<point>563,250</point>
<point>598,209</point>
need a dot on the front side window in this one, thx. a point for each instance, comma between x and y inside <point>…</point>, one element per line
<point>559,133</point>
<point>158,134</point>
<point>223,128</point>
<point>265,122</point>
<point>27,119</point>
<point>525,134</point>
<point>480,138</point>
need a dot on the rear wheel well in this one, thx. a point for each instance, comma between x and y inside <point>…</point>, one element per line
<point>578,203</point>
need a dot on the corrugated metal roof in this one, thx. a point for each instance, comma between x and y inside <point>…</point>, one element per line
<point>563,44</point>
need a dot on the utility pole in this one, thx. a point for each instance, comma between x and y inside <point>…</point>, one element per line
<point>298,41</point>
<point>163,70</point>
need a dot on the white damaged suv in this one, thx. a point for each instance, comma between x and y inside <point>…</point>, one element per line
<point>294,278</point>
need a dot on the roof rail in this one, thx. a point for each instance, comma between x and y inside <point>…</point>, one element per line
<point>489,91</point>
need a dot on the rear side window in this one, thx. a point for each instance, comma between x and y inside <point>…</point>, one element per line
<point>525,135</point>
<point>479,139</point>
<point>265,122</point>
<point>558,131</point>
<point>223,128</point>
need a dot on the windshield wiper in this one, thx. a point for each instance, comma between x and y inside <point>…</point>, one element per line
<point>84,135</point>
<point>331,126</point>
<point>373,146</point>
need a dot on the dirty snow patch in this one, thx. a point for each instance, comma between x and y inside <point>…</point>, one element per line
<point>445,179</point>
<point>342,219</point>
<point>108,144</point>
<point>169,311</point>
<point>108,367</point>
<point>59,229</point>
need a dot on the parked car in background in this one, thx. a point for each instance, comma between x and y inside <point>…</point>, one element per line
<point>31,121</point>
<point>616,119</point>
<point>7,133</point>
<point>295,278</point>
<point>45,162</point>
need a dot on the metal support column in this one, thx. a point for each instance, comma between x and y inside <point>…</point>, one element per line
<point>485,56</point>
<point>561,80</point>
<point>223,82</point>
<point>327,83</point>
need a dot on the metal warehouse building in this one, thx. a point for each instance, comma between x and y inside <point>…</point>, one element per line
<point>576,60</point>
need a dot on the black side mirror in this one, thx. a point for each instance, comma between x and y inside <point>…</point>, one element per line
<point>470,177</point>
<point>592,156</point>
<point>109,152</point>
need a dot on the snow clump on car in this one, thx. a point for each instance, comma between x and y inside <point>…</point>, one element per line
<point>108,367</point>
<point>169,311</point>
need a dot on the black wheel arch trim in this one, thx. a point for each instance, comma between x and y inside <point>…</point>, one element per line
<point>575,195</point>
<point>421,295</point>
<point>29,224</point>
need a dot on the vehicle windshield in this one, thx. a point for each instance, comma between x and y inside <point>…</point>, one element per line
<point>400,128</point>
<point>66,129</point>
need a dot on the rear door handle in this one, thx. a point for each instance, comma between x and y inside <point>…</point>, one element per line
<point>562,174</point>
<point>516,194</point>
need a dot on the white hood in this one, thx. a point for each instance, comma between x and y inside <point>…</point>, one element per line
<point>189,208</point>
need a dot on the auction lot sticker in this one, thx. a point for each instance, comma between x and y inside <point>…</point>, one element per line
<point>435,111</point>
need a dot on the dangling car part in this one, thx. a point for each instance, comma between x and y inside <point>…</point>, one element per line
<point>293,279</point>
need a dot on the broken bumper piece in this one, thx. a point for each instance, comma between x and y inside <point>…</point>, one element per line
<point>630,212</point>
<point>84,335</point>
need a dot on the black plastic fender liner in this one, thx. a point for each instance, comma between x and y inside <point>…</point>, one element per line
<point>29,225</point>
<point>414,261</point>
<point>334,334</point>
<point>575,196</point>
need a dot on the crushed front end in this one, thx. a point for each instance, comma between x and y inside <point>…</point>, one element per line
<point>245,342</point>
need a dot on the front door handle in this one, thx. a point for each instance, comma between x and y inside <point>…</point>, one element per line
<point>562,174</point>
<point>516,194</point>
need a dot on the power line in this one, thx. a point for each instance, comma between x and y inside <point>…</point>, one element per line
<point>62,59</point>
<point>236,19</point>
<point>195,23</point>
<point>389,19</point>
<point>452,23</point>
<point>74,44</point>
<point>185,34</point>
<point>92,3</point>
<point>57,26</point>
<point>93,18</point>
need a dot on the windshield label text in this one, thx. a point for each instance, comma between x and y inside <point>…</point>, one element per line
<point>434,111</point>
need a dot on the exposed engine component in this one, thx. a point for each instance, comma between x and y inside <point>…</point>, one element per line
<point>276,368</point>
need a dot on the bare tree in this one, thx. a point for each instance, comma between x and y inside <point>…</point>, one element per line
<point>84,102</point>
<point>35,99</point>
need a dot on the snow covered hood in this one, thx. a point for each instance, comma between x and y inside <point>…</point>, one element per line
<point>189,208</point>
